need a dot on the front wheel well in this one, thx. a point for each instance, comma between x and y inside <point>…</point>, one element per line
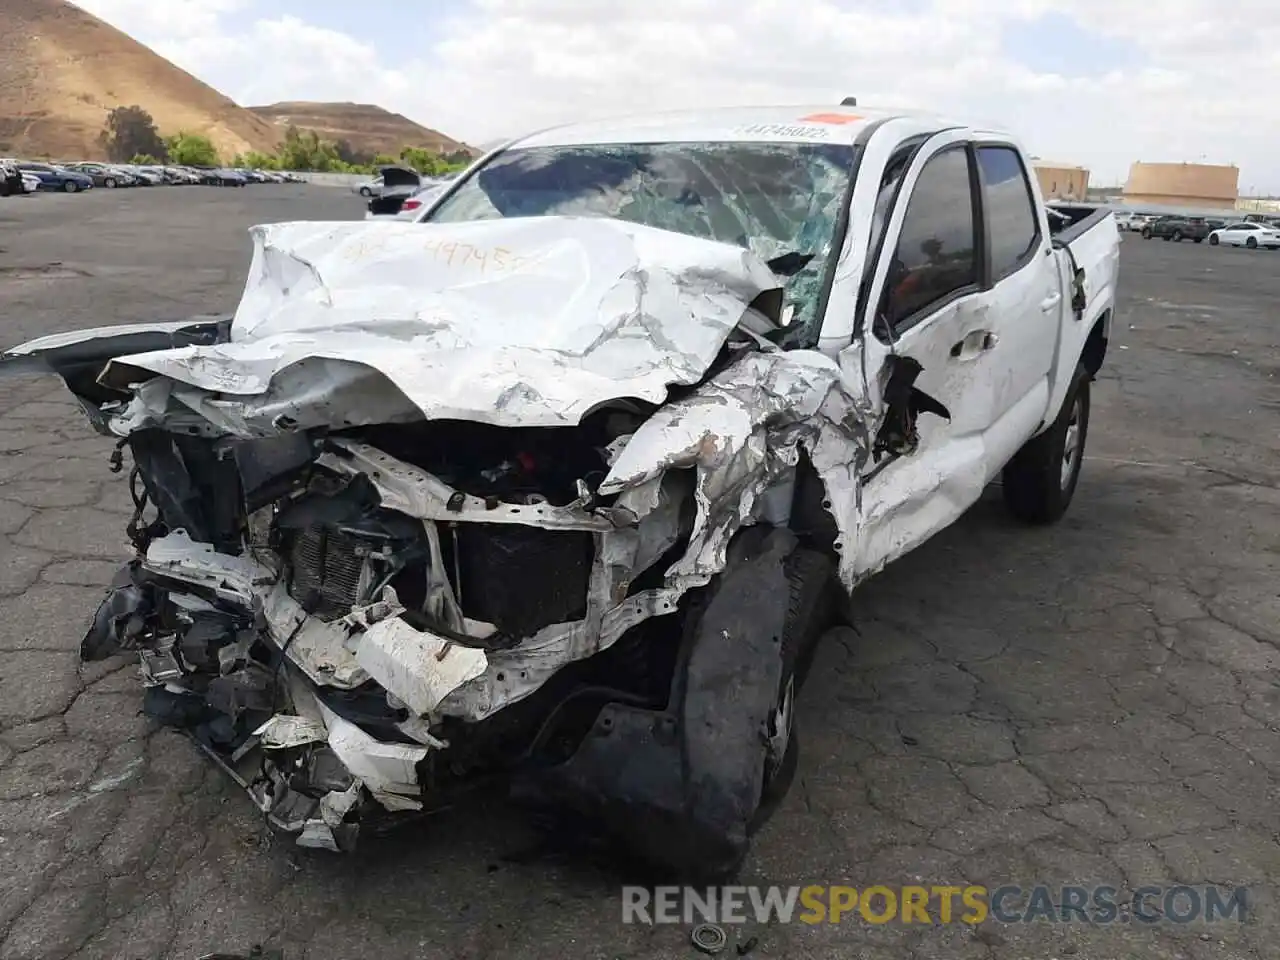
<point>811,518</point>
<point>1095,347</point>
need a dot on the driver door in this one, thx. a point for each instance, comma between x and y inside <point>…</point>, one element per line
<point>927,301</point>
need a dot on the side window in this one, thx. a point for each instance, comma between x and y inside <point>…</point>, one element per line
<point>1012,224</point>
<point>936,256</point>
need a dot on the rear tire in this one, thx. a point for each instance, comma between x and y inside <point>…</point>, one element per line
<point>1252,243</point>
<point>1146,234</point>
<point>1177,236</point>
<point>109,183</point>
<point>1199,239</point>
<point>1041,479</point>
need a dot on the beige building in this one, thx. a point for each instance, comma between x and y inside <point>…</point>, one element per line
<point>1183,185</point>
<point>1060,181</point>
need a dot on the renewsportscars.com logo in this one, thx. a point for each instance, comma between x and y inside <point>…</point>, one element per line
<point>881,904</point>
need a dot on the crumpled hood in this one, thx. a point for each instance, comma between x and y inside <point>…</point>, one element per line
<point>529,322</point>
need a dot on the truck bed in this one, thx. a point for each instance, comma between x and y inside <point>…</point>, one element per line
<point>1072,220</point>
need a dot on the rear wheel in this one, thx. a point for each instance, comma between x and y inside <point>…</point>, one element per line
<point>1146,233</point>
<point>109,183</point>
<point>1041,479</point>
<point>1177,236</point>
<point>1199,239</point>
<point>1252,243</point>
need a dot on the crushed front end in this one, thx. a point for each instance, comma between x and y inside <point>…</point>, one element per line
<point>393,549</point>
<point>353,635</point>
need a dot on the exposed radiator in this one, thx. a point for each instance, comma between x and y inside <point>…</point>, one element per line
<point>522,579</point>
<point>324,564</point>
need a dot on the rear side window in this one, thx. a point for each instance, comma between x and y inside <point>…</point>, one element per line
<point>1012,224</point>
<point>936,256</point>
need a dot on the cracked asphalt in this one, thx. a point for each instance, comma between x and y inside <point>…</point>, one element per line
<point>1095,703</point>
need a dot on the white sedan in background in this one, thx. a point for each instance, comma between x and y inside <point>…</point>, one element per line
<point>1251,235</point>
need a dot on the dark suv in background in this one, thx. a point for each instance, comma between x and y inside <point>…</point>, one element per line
<point>1178,228</point>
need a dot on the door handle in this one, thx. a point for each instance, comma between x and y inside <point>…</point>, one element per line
<point>1049,302</point>
<point>973,344</point>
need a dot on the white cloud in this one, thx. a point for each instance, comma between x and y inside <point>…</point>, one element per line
<point>507,66</point>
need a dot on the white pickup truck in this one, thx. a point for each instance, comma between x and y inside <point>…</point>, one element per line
<point>554,485</point>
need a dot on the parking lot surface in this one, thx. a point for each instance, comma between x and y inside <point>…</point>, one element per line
<point>1090,704</point>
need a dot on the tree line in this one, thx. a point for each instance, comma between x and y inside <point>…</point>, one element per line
<point>131,136</point>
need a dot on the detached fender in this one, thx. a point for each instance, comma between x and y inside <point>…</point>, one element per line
<point>78,349</point>
<point>80,356</point>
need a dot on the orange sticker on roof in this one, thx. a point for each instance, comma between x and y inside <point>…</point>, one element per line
<point>831,118</point>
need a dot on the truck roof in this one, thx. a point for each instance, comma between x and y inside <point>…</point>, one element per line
<point>820,123</point>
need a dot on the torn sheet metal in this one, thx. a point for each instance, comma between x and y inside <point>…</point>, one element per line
<point>743,431</point>
<point>284,731</point>
<point>414,491</point>
<point>417,668</point>
<point>388,770</point>
<point>530,321</point>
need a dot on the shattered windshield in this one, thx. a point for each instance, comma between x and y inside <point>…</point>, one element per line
<point>770,198</point>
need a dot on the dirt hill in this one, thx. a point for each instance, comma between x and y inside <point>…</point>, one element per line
<point>367,128</point>
<point>62,70</point>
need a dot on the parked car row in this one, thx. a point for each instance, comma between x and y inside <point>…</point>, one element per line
<point>1252,231</point>
<point>75,176</point>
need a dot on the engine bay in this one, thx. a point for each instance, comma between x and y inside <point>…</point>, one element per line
<point>277,581</point>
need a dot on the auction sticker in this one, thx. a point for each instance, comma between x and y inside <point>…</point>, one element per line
<point>831,118</point>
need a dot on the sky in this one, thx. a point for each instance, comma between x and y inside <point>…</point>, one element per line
<point>1099,83</point>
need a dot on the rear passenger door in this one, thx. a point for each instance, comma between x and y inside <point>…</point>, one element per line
<point>1026,300</point>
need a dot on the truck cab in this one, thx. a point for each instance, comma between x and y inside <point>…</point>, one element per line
<point>945,257</point>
